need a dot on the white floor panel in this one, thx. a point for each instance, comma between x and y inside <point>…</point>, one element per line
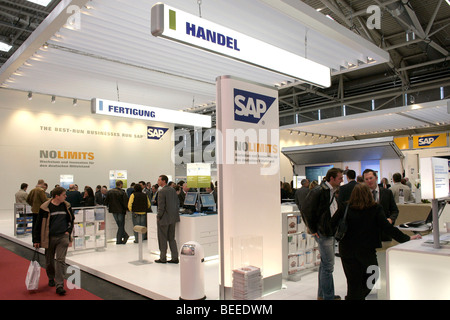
<point>162,281</point>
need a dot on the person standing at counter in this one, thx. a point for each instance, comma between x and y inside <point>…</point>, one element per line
<point>88,199</point>
<point>21,195</point>
<point>401,190</point>
<point>365,222</point>
<point>138,205</point>
<point>346,190</point>
<point>117,202</point>
<point>301,193</point>
<point>167,217</point>
<point>182,194</point>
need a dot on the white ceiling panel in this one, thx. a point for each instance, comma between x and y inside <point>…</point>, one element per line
<point>392,120</point>
<point>114,48</point>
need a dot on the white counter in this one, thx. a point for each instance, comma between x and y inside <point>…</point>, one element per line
<point>200,228</point>
<point>415,271</point>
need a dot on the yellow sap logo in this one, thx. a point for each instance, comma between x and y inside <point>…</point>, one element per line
<point>431,141</point>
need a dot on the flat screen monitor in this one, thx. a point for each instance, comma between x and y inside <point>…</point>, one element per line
<point>207,200</point>
<point>191,199</point>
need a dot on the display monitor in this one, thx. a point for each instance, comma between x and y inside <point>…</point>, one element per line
<point>207,200</point>
<point>190,199</point>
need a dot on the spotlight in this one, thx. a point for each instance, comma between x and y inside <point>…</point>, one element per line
<point>30,95</point>
<point>75,102</point>
<point>53,99</point>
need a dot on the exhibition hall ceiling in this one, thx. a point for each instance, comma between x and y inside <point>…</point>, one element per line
<point>109,52</point>
<point>103,48</point>
<point>406,120</point>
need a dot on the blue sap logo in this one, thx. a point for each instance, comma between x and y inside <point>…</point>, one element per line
<point>156,133</point>
<point>427,141</point>
<point>250,107</point>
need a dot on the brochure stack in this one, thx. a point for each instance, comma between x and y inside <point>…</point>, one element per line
<point>247,283</point>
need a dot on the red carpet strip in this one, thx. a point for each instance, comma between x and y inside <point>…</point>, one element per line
<point>13,271</point>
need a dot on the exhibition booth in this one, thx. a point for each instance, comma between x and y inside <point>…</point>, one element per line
<point>94,141</point>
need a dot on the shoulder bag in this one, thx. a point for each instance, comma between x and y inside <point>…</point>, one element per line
<point>342,227</point>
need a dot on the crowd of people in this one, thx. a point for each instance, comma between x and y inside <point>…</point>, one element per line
<point>370,209</point>
<point>371,212</point>
<point>53,217</point>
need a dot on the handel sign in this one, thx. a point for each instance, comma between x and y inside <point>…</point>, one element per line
<point>176,25</point>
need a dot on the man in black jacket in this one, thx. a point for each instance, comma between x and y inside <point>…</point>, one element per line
<point>346,190</point>
<point>301,193</point>
<point>318,208</point>
<point>117,202</point>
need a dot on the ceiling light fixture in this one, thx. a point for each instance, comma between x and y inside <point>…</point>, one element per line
<point>53,99</point>
<point>75,102</point>
<point>5,47</point>
<point>43,3</point>
<point>30,95</point>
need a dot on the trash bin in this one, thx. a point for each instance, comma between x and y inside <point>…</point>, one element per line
<point>192,275</point>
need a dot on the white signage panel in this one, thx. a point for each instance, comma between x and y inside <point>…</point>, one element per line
<point>134,111</point>
<point>176,25</point>
<point>434,178</point>
<point>248,151</point>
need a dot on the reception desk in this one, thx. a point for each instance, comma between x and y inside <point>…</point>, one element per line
<point>415,271</point>
<point>197,227</point>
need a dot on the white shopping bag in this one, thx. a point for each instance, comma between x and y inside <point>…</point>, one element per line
<point>33,274</point>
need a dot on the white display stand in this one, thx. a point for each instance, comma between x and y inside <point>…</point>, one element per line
<point>415,271</point>
<point>202,229</point>
<point>23,219</point>
<point>435,186</point>
<point>89,231</point>
<point>248,153</point>
<point>300,250</point>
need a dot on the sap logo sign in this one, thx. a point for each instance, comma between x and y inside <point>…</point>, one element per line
<point>427,141</point>
<point>156,133</point>
<point>250,107</point>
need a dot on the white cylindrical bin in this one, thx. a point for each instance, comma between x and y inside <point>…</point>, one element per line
<point>192,275</point>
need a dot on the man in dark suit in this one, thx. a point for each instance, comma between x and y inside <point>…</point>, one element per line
<point>346,190</point>
<point>383,196</point>
<point>301,193</point>
<point>167,217</point>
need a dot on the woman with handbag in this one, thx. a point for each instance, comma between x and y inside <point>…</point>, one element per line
<point>365,220</point>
